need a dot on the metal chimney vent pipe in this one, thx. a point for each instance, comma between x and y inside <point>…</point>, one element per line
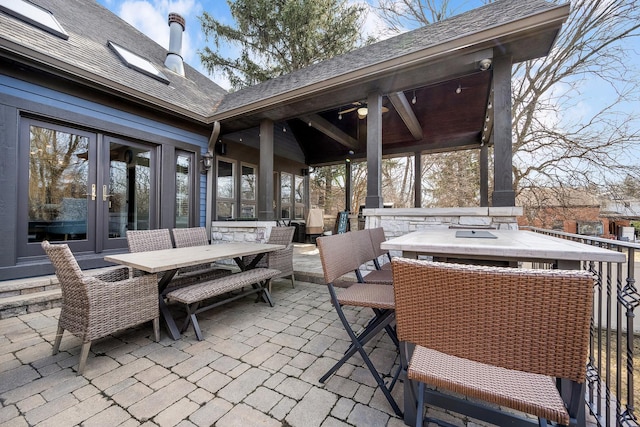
<point>174,56</point>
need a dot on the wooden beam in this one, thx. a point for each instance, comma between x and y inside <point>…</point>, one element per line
<point>401,104</point>
<point>331,130</point>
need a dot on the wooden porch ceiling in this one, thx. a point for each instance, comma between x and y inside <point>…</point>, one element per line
<point>449,120</point>
<point>441,119</point>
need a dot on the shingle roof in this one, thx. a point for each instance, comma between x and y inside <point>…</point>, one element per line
<point>87,55</point>
<point>491,15</point>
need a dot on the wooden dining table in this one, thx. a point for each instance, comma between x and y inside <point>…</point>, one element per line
<point>504,247</point>
<point>169,261</point>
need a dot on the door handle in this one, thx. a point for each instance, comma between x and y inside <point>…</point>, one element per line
<point>105,196</point>
<point>93,192</point>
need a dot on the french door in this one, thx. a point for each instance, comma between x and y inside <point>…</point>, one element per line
<point>85,189</point>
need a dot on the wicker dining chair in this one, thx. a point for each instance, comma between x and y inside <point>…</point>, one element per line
<point>159,239</point>
<point>197,236</point>
<point>338,257</point>
<point>365,254</point>
<point>496,334</point>
<point>96,306</point>
<point>281,259</point>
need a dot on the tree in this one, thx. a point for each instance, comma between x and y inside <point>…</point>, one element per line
<point>557,141</point>
<point>276,37</point>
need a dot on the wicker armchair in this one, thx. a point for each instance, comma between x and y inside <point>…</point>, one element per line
<point>495,334</point>
<point>338,257</point>
<point>278,260</point>
<point>96,306</point>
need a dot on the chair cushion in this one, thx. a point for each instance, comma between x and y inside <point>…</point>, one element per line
<point>530,393</point>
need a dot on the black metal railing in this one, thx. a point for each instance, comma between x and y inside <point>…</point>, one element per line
<point>614,347</point>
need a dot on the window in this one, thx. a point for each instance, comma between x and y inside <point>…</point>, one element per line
<point>183,189</point>
<point>225,190</point>
<point>34,15</point>
<point>299,197</point>
<point>138,63</point>
<point>286,195</point>
<point>248,191</point>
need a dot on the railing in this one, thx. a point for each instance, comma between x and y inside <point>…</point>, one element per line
<point>610,373</point>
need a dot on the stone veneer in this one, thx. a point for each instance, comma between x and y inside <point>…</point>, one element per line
<point>240,231</point>
<point>397,222</point>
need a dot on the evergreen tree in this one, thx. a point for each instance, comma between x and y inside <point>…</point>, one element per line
<point>276,37</point>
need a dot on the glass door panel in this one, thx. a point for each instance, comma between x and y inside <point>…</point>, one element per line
<point>128,191</point>
<point>61,190</point>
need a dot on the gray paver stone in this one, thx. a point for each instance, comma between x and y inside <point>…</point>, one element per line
<point>10,380</point>
<point>113,415</point>
<point>8,412</point>
<point>132,394</point>
<point>208,414</point>
<point>293,388</point>
<point>242,386</point>
<point>151,405</point>
<point>343,408</point>
<point>263,399</point>
<point>312,409</point>
<point>367,416</point>
<point>261,353</point>
<point>214,381</point>
<point>176,412</point>
<point>76,414</point>
<point>50,409</point>
<point>243,415</point>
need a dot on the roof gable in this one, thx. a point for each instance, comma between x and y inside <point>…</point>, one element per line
<point>481,19</point>
<point>87,56</point>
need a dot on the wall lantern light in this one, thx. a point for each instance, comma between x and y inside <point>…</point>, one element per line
<point>207,162</point>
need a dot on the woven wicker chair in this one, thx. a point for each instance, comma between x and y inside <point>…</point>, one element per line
<point>365,254</point>
<point>496,334</point>
<point>278,260</point>
<point>96,306</point>
<point>338,257</point>
<point>159,239</point>
<point>196,236</point>
<point>377,237</point>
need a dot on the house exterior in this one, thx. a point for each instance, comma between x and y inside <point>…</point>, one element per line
<point>94,145</point>
<point>104,131</point>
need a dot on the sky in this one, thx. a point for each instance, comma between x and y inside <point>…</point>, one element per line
<point>150,17</point>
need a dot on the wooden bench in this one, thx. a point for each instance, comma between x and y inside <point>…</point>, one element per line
<point>193,296</point>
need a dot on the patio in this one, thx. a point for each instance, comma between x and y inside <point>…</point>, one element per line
<point>256,366</point>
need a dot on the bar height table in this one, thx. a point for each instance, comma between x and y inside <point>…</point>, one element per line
<point>509,246</point>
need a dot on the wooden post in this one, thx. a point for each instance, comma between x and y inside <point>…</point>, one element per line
<point>417,185</point>
<point>265,182</point>
<point>484,175</point>
<point>503,194</point>
<point>374,151</point>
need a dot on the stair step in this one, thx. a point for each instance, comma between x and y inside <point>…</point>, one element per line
<point>29,303</point>
<point>11,288</point>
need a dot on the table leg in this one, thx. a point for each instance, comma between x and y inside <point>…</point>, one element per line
<point>169,322</point>
<point>172,328</point>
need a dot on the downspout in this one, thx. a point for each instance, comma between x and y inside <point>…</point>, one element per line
<point>209,196</point>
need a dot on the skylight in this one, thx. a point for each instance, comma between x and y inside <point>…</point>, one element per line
<point>34,15</point>
<point>137,62</point>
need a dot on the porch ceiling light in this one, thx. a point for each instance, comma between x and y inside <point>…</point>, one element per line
<point>362,112</point>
